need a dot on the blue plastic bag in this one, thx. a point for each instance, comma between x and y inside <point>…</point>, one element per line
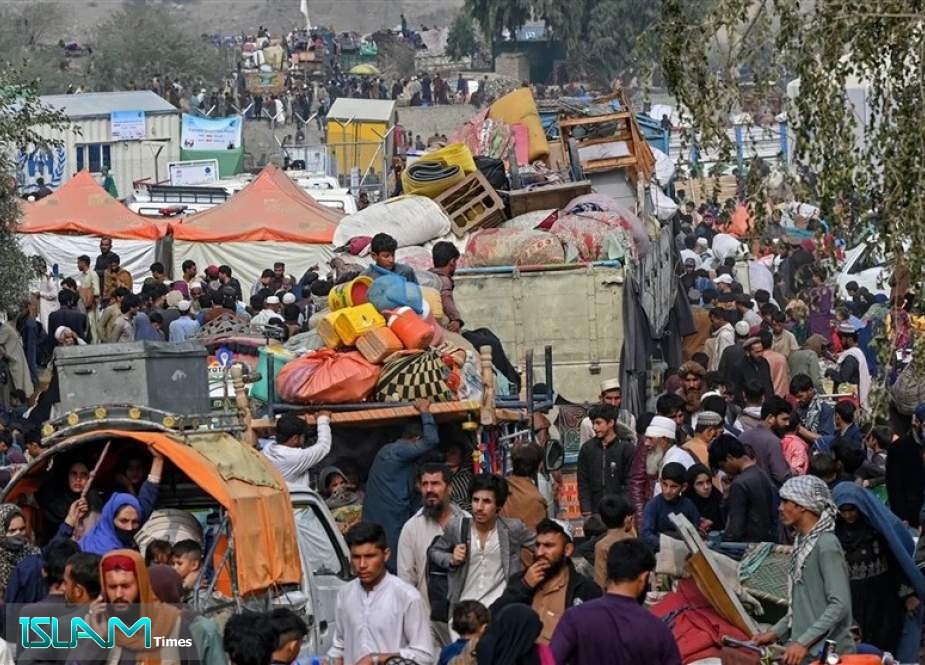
<point>392,291</point>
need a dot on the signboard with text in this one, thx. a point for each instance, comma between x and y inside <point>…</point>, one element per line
<point>127,125</point>
<point>210,133</point>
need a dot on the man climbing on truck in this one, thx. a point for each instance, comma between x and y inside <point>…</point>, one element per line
<point>445,256</point>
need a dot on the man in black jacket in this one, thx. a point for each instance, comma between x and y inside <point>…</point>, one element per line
<point>756,368</point>
<point>551,585</point>
<point>604,462</point>
<point>905,473</point>
<point>68,315</point>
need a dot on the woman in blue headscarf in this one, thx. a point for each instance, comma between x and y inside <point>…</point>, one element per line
<point>123,515</point>
<point>886,584</point>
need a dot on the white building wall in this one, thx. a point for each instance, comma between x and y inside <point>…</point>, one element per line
<point>131,160</point>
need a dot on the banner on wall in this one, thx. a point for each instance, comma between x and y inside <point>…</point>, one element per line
<point>127,125</point>
<point>211,133</point>
<point>193,172</point>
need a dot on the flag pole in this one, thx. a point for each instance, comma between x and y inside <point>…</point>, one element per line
<point>303,7</point>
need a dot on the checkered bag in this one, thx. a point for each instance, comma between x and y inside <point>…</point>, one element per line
<point>416,375</point>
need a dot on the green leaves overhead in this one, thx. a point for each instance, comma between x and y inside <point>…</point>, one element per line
<point>20,115</point>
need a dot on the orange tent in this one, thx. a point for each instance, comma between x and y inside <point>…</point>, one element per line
<point>80,206</point>
<point>270,208</point>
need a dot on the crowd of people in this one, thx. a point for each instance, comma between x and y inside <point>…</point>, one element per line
<point>763,434</point>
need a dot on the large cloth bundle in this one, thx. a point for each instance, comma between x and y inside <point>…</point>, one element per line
<point>327,377</point>
<point>909,390</point>
<point>512,247</point>
<point>594,236</point>
<point>519,107</point>
<point>411,220</point>
<point>428,374</point>
<point>603,203</point>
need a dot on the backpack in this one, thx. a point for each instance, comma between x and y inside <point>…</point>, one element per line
<point>438,581</point>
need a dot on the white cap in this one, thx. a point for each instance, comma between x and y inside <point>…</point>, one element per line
<point>271,300</point>
<point>195,285</point>
<point>703,242</point>
<point>609,384</point>
<point>661,428</point>
<point>742,328</point>
<point>725,278</point>
<point>288,298</point>
<point>183,305</point>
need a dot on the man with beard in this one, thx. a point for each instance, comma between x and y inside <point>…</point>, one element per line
<point>420,532</point>
<point>127,595</point>
<point>616,628</point>
<point>691,389</point>
<point>764,439</point>
<point>551,585</point>
<point>661,443</point>
<point>905,473</point>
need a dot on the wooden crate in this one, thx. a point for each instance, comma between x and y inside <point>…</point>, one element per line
<point>551,197</point>
<point>471,204</point>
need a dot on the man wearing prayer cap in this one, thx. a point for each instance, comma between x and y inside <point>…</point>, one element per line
<point>611,395</point>
<point>852,364</point>
<point>660,442</point>
<point>820,591</point>
<point>64,336</point>
<point>271,307</point>
<point>186,325</point>
<point>707,426</point>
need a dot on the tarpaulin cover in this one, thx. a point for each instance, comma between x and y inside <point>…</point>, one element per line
<point>136,256</point>
<point>81,206</point>
<point>272,207</point>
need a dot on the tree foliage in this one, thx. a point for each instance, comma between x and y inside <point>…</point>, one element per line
<point>143,41</point>
<point>496,16</point>
<point>21,114</point>
<point>461,41</point>
<point>860,165</point>
<point>600,36</point>
<point>27,42</point>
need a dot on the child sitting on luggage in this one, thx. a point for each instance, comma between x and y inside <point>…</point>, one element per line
<point>655,517</point>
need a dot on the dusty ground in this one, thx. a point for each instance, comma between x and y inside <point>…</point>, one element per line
<point>80,17</point>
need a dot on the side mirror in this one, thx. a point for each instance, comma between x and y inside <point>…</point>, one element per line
<point>555,455</point>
